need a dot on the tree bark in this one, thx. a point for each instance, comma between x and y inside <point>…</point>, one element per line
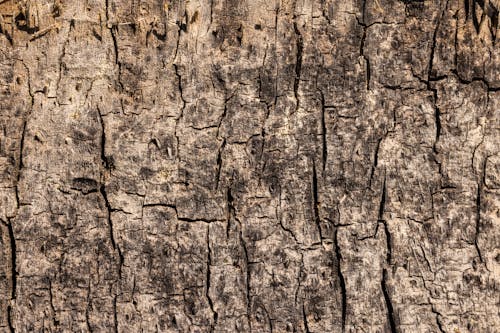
<point>249,166</point>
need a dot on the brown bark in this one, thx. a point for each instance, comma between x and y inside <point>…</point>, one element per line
<point>249,166</point>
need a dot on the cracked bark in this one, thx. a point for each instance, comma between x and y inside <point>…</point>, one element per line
<point>249,166</point>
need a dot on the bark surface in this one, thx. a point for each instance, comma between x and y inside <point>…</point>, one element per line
<point>249,166</point>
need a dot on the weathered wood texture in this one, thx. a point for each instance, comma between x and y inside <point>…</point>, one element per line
<point>249,166</point>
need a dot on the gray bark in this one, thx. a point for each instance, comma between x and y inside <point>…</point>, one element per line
<point>249,166</point>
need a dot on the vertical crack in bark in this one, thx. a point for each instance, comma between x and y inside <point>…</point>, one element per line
<point>55,322</point>
<point>115,47</point>
<point>388,303</point>
<point>102,190</point>
<point>13,258</point>
<point>437,117</point>
<point>182,26</point>
<point>13,272</point>
<point>384,222</point>
<point>438,320</point>
<point>230,208</point>
<point>211,14</point>
<point>219,164</point>
<point>362,53</point>
<point>315,202</point>
<point>247,279</point>
<point>437,121</point>
<point>87,308</point>
<point>304,317</point>
<point>431,75</point>
<point>112,30</point>
<point>280,219</point>
<point>323,132</point>
<point>306,325</point>
<point>115,314</point>
<point>20,164</point>
<point>455,43</point>
<point>298,63</point>
<point>9,319</point>
<point>388,239</point>
<point>179,87</point>
<point>375,162</point>
<point>425,258</point>
<point>208,277</point>
<point>224,113</point>
<point>478,212</point>
<point>343,289</point>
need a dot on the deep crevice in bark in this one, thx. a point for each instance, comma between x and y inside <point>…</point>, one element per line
<point>343,289</point>
<point>388,303</point>
<point>298,64</point>
<point>324,150</point>
<point>13,272</point>
<point>9,319</point>
<point>179,87</point>
<point>304,318</point>
<point>219,164</point>
<point>20,163</point>
<point>208,277</point>
<point>102,191</point>
<point>478,220</point>
<point>13,258</point>
<point>375,162</point>
<point>314,187</point>
<point>362,53</point>
<point>438,320</point>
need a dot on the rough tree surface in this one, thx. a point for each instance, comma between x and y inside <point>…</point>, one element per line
<point>249,166</point>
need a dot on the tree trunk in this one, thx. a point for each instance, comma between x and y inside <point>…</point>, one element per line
<point>249,166</point>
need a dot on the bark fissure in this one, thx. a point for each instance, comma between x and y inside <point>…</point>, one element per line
<point>13,258</point>
<point>304,318</point>
<point>315,202</point>
<point>298,63</point>
<point>387,298</point>
<point>363,55</point>
<point>388,303</point>
<point>438,320</point>
<point>430,75</point>
<point>87,310</point>
<point>219,163</point>
<point>55,322</point>
<point>208,278</point>
<point>324,133</point>
<point>478,220</point>
<point>102,190</point>
<point>375,161</point>
<point>13,271</point>
<point>340,276</point>
<point>115,315</point>
<point>179,87</point>
<point>20,165</point>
